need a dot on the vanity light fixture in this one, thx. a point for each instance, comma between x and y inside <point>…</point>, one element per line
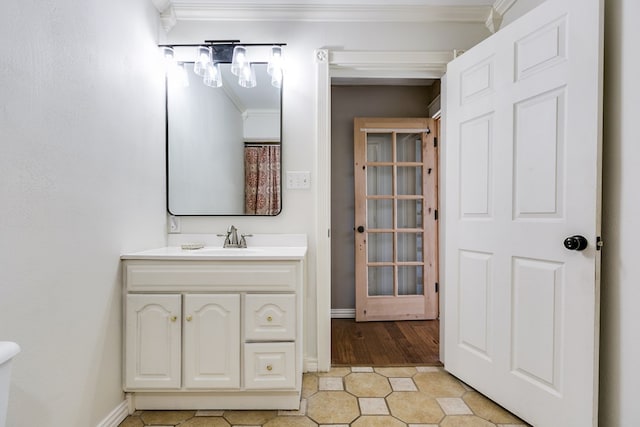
<point>203,59</point>
<point>213,52</point>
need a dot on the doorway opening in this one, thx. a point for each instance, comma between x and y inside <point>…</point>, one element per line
<point>409,342</point>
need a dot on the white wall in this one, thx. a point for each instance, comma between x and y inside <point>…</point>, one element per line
<point>619,338</point>
<point>299,108</point>
<point>81,181</point>
<point>620,317</point>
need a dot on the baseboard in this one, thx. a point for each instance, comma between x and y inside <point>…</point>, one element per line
<point>310,364</point>
<point>343,313</point>
<point>116,416</point>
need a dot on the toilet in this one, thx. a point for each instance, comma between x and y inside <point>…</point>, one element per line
<point>8,350</point>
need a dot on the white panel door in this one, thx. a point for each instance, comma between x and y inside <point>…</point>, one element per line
<point>522,173</point>
<point>211,350</point>
<point>153,341</point>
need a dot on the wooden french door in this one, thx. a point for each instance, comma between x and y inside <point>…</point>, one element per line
<point>395,219</point>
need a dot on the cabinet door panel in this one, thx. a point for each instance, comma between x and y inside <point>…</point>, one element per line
<point>211,351</point>
<point>153,337</point>
<point>270,317</point>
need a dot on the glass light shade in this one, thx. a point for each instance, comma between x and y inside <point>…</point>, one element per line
<point>239,60</point>
<point>212,76</point>
<point>168,57</point>
<point>276,78</point>
<point>275,60</point>
<point>202,60</point>
<point>247,77</point>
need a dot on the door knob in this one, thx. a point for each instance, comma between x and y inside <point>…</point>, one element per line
<point>576,243</point>
<point>360,229</point>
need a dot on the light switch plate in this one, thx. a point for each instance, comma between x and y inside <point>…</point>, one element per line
<point>298,180</point>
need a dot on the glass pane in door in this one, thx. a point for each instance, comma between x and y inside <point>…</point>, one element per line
<point>410,213</point>
<point>380,247</point>
<point>380,281</point>
<point>409,147</point>
<point>379,180</point>
<point>409,247</point>
<point>410,280</point>
<point>379,213</point>
<point>379,147</point>
<point>410,180</point>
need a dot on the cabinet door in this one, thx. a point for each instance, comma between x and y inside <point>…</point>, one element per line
<point>211,353</point>
<point>270,317</point>
<point>153,338</point>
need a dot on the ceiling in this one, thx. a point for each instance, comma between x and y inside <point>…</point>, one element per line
<point>489,12</point>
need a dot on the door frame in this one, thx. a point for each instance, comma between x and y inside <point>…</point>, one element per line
<point>354,64</point>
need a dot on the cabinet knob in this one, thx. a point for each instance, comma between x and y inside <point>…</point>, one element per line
<point>269,318</point>
<point>269,368</point>
<point>189,318</point>
<point>174,318</point>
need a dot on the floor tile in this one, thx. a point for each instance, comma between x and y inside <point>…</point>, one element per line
<point>465,421</point>
<point>373,406</point>
<point>332,407</point>
<point>361,369</point>
<point>377,421</point>
<point>367,385</point>
<point>203,413</point>
<point>402,384</point>
<point>170,418</point>
<point>454,406</point>
<point>422,425</point>
<point>330,383</point>
<point>403,371</point>
<point>489,410</point>
<point>428,369</point>
<point>302,411</point>
<point>335,371</point>
<point>288,421</point>
<point>132,421</point>
<point>309,384</point>
<point>205,422</point>
<point>249,417</point>
<point>414,407</point>
<point>439,384</point>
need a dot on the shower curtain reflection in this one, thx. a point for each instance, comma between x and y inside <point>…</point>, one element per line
<point>262,179</point>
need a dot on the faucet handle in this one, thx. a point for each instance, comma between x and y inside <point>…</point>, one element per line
<point>243,241</point>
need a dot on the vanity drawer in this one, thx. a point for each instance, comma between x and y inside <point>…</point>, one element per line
<point>215,276</point>
<point>270,317</point>
<point>269,366</point>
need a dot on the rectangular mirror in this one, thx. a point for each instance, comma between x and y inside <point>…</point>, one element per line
<point>223,145</point>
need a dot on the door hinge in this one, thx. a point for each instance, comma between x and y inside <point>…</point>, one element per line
<point>435,214</point>
<point>599,243</point>
<point>437,287</point>
<point>435,142</point>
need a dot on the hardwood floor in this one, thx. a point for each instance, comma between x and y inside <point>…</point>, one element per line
<point>410,342</point>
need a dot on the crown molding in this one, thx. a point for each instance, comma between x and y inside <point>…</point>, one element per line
<point>172,11</point>
<point>499,8</point>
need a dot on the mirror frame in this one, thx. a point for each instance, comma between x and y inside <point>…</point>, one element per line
<point>167,180</point>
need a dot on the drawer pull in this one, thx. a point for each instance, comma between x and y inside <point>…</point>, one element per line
<point>269,368</point>
<point>189,318</point>
<point>269,319</point>
<point>174,318</point>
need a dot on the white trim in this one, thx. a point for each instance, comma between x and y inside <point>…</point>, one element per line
<point>501,6</point>
<point>347,64</point>
<point>343,313</point>
<point>259,11</point>
<point>116,416</point>
<point>310,364</point>
<point>323,209</point>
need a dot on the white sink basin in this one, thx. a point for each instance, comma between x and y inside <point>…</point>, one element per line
<point>226,251</point>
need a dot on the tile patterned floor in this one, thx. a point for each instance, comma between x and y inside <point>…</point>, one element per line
<point>359,397</point>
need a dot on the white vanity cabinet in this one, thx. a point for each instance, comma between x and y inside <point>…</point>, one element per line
<point>211,333</point>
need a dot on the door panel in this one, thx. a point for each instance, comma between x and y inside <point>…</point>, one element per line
<point>523,146</point>
<point>396,184</point>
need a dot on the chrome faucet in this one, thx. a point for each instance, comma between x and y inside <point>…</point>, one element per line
<point>231,238</point>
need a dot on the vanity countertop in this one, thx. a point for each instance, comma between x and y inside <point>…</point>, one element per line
<point>260,248</point>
